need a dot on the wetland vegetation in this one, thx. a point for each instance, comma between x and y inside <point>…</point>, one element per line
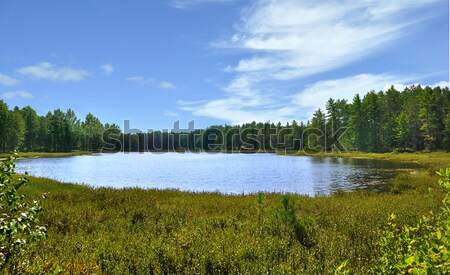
<point>136,231</point>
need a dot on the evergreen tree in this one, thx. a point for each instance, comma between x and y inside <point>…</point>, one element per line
<point>31,120</point>
<point>92,133</point>
<point>391,109</point>
<point>357,124</point>
<point>373,114</point>
<point>3,124</point>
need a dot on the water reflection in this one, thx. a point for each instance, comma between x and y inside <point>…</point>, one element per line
<point>226,173</point>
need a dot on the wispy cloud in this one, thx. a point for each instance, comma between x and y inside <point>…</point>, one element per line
<point>190,103</point>
<point>151,81</point>
<point>7,80</point>
<point>141,80</point>
<point>171,114</point>
<point>189,4</point>
<point>315,96</point>
<point>247,104</point>
<point>22,94</point>
<point>48,71</point>
<point>167,85</point>
<point>298,38</point>
<point>107,68</point>
<point>289,40</point>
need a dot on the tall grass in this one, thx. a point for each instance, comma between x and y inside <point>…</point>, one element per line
<point>136,231</point>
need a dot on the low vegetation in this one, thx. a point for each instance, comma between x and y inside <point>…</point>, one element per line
<point>46,154</point>
<point>431,160</point>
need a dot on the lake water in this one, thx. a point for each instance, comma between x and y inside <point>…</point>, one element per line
<point>225,173</point>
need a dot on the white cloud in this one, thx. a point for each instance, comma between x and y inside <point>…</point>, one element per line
<point>298,38</point>
<point>171,114</point>
<point>245,104</point>
<point>190,103</point>
<point>289,40</point>
<point>140,80</point>
<point>45,70</point>
<point>189,4</point>
<point>441,84</point>
<point>167,85</point>
<point>242,103</point>
<point>315,96</point>
<point>150,81</point>
<point>22,94</point>
<point>7,80</point>
<point>107,68</point>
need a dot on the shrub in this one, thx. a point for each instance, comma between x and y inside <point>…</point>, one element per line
<point>18,222</point>
<point>422,248</point>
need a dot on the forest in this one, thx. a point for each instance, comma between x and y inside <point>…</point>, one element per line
<point>417,118</point>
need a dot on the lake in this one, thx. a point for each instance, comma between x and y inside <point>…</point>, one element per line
<point>225,173</point>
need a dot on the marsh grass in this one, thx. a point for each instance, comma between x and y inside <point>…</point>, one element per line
<point>136,231</point>
<point>431,160</point>
<point>46,154</point>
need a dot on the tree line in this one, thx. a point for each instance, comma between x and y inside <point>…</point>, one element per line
<point>57,131</point>
<point>414,119</point>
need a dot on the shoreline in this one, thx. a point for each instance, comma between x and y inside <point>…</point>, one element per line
<point>434,160</point>
<point>25,155</point>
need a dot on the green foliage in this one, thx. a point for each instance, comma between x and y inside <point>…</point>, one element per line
<point>19,225</point>
<point>422,248</point>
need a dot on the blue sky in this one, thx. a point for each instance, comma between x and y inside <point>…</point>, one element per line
<point>214,61</point>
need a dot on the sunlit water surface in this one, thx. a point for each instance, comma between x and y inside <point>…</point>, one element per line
<point>225,173</point>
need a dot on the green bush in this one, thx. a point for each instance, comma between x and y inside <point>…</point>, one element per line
<point>422,248</point>
<point>19,226</point>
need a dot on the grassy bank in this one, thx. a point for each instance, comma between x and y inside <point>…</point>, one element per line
<point>135,231</point>
<point>434,160</point>
<point>46,154</point>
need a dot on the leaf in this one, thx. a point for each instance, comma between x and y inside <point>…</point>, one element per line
<point>410,260</point>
